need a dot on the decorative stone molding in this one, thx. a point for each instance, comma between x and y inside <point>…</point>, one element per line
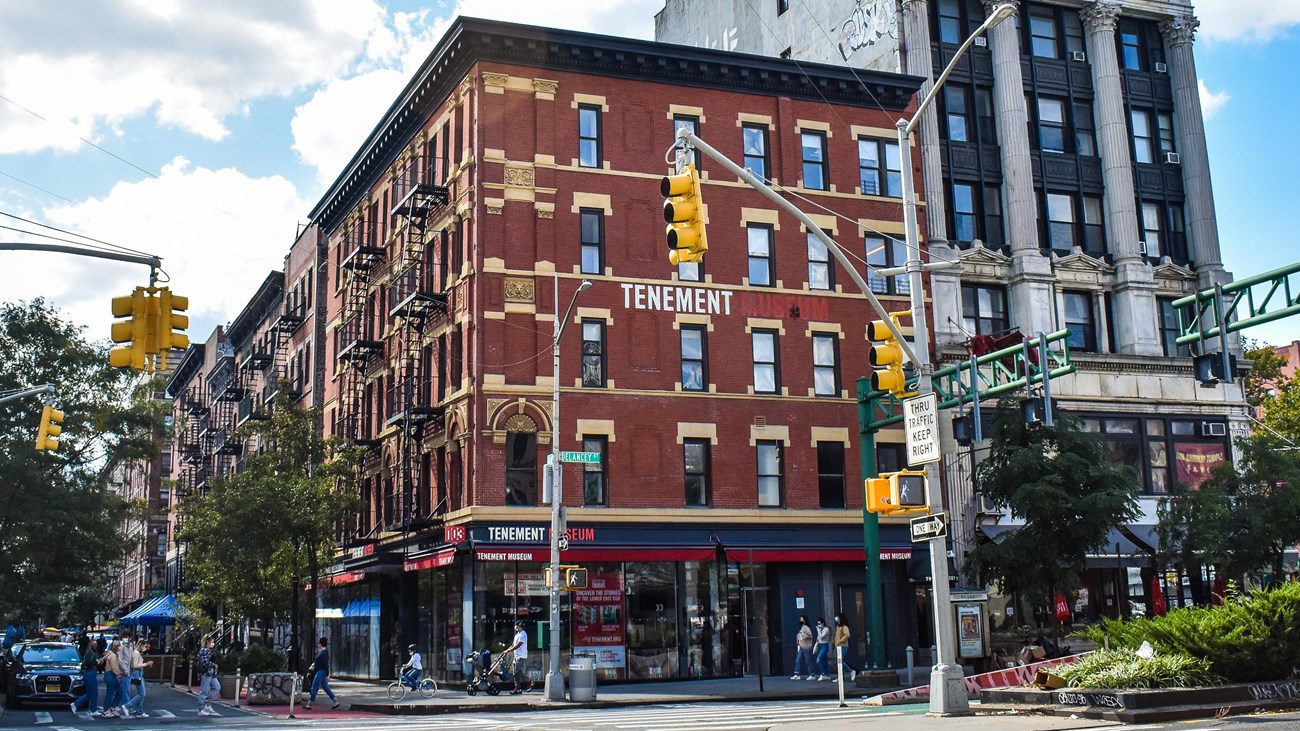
<point>466,84</point>
<point>1078,268</point>
<point>1180,30</point>
<point>519,290</point>
<point>983,263</point>
<point>545,89</point>
<point>1100,16</point>
<point>990,5</point>
<point>494,205</point>
<point>547,213</point>
<point>491,80</point>
<point>519,176</point>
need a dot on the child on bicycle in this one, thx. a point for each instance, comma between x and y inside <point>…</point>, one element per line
<point>413,668</point>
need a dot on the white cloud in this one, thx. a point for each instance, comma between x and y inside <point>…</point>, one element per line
<point>214,256</point>
<point>1211,101</point>
<point>1246,20</point>
<point>89,66</point>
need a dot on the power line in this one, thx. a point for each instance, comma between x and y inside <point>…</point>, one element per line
<point>117,157</point>
<point>37,187</point>
<point>70,233</point>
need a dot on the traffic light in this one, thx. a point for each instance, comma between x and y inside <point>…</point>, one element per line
<point>171,323</point>
<point>137,330</point>
<point>897,492</point>
<point>886,360</point>
<point>51,428</point>
<point>878,500</point>
<point>575,577</point>
<point>684,213</point>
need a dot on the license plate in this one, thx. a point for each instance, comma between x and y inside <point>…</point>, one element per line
<point>52,689</point>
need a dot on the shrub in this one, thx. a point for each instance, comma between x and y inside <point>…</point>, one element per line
<point>1245,641</point>
<point>261,659</point>
<point>1125,669</point>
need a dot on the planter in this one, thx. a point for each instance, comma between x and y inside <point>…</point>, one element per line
<point>227,685</point>
<point>269,689</point>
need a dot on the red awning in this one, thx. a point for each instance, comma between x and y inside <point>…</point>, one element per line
<point>789,555</point>
<point>542,554</point>
<point>441,558</point>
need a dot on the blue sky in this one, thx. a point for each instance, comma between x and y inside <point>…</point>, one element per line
<point>241,112</point>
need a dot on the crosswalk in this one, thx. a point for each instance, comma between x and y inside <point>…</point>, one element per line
<point>46,718</point>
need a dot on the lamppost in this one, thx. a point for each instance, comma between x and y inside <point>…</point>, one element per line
<point>947,684</point>
<point>551,478</point>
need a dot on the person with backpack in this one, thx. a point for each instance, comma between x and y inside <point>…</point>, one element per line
<point>209,686</point>
<point>89,676</point>
<point>805,640</point>
<point>321,679</point>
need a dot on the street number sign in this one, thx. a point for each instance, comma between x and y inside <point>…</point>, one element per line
<point>921,425</point>
<point>588,457</point>
<point>929,527</point>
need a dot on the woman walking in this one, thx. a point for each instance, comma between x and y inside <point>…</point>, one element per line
<point>842,641</point>
<point>113,696</point>
<point>822,649</point>
<point>321,680</point>
<point>803,659</point>
<point>136,680</point>
<point>89,676</point>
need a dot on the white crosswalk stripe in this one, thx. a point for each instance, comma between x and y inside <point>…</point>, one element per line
<point>164,713</point>
<point>44,717</point>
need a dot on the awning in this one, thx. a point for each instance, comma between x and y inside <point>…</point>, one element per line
<point>160,610</point>
<point>791,555</point>
<point>594,553</point>
<point>439,559</point>
<point>1127,545</point>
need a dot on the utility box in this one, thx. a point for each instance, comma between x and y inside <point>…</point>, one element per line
<point>582,677</point>
<point>970,614</point>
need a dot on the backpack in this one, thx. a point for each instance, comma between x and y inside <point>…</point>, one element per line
<point>203,665</point>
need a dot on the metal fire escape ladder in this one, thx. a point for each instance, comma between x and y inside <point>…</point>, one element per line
<point>356,345</point>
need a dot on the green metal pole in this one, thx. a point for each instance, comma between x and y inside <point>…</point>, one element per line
<point>871,530</point>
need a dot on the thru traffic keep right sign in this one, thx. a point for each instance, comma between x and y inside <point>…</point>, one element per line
<point>921,422</point>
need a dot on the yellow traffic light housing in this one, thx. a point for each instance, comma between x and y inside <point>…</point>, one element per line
<point>171,323</point>
<point>136,331</point>
<point>572,578</point>
<point>886,358</point>
<point>878,497</point>
<point>684,214</point>
<point>907,491</point>
<point>51,428</point>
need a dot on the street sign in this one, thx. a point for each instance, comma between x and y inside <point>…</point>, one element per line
<point>921,423</point>
<point>588,457</point>
<point>929,527</point>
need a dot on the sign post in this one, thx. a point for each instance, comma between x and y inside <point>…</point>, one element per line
<point>921,422</point>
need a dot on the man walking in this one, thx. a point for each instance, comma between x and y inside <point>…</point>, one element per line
<point>518,668</point>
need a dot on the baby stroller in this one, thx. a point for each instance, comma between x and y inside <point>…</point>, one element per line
<point>484,671</point>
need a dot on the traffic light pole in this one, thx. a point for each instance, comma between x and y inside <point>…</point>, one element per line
<point>47,388</point>
<point>153,262</point>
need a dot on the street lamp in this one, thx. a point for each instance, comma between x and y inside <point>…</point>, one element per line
<point>947,684</point>
<point>551,477</point>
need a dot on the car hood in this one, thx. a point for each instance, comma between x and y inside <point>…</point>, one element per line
<point>56,668</point>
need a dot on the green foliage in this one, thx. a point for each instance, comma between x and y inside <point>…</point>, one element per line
<point>1125,669</point>
<point>259,659</point>
<point>60,523</point>
<point>1059,481</point>
<point>1244,641</point>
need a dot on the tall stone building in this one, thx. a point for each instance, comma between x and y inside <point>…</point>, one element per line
<point>1065,168</point>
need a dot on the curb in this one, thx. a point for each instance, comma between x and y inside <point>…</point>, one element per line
<point>429,709</point>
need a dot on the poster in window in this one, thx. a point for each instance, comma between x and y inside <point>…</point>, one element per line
<point>970,630</point>
<point>598,620</point>
<point>1195,462</point>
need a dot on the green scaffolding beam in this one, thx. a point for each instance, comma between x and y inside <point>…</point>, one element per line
<point>1252,301</point>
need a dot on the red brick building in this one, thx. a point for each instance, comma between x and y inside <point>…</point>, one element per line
<point>516,164</point>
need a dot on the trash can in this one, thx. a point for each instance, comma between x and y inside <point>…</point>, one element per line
<point>582,677</point>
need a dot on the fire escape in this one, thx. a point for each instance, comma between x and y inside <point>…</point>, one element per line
<point>195,445</point>
<point>357,345</point>
<point>260,355</point>
<point>417,304</point>
<point>287,321</point>
<point>227,389</point>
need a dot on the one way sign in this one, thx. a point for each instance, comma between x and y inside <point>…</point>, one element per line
<point>929,527</point>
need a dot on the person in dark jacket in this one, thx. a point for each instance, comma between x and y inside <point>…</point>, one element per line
<point>321,679</point>
<point>89,675</point>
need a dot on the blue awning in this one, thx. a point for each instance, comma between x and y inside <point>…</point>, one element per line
<point>160,610</point>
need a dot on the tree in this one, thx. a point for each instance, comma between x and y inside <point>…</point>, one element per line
<point>1059,481</point>
<point>60,523</point>
<point>258,534</point>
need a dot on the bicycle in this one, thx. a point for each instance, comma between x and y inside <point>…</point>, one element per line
<point>398,689</point>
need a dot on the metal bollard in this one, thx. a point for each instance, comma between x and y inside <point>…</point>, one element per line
<point>239,677</point>
<point>293,694</point>
<point>934,656</point>
<point>839,670</point>
<point>911,665</point>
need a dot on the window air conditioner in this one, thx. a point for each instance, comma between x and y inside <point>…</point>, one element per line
<point>1142,248</point>
<point>982,42</point>
<point>1078,56</point>
<point>1160,68</point>
<point>1171,158</point>
<point>985,506</point>
<point>1213,429</point>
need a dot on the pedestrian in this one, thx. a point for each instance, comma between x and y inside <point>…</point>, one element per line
<point>803,659</point>
<point>136,683</point>
<point>842,635</point>
<point>413,668</point>
<point>113,699</point>
<point>822,649</point>
<point>89,676</point>
<point>519,646</point>
<point>125,658</point>
<point>209,686</point>
<point>321,680</point>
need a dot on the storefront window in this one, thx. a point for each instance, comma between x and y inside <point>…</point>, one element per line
<point>1168,455</point>
<point>652,620</point>
<point>599,620</point>
<point>349,616</point>
<point>441,617</point>
<point>505,591</point>
<point>704,617</point>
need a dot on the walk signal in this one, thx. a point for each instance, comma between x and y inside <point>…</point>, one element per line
<point>575,577</point>
<point>136,331</point>
<point>51,428</point>
<point>171,323</point>
<point>897,492</point>
<point>886,359</point>
<point>684,213</point>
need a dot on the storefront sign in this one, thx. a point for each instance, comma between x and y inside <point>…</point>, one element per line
<point>598,620</point>
<point>454,533</point>
<point>677,299</point>
<point>526,585</point>
<point>1196,461</point>
<point>517,533</point>
<point>446,558</point>
<point>526,554</point>
<point>361,551</point>
<point>350,577</point>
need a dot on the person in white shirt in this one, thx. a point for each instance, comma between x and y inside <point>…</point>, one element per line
<point>520,649</point>
<point>413,668</point>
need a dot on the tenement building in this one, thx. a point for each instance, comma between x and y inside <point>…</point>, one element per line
<point>1065,167</point>
<point>715,401</point>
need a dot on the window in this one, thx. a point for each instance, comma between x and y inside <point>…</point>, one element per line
<point>1051,125</point>
<point>769,474</point>
<point>692,124</point>
<point>767,372</point>
<point>993,215</point>
<point>1080,321</point>
<point>1141,45</point>
<point>1060,221</point>
<point>592,236</point>
<point>988,131</point>
<point>521,468</point>
<point>963,212</point>
<point>875,178</point>
<point>595,489</point>
<point>588,136</point>
<point>826,372</point>
<point>1085,138</point>
<point>1169,330</point>
<point>984,310</point>
<point>813,151</point>
<point>1042,33</point>
<point>1167,454</point>
<point>754,142</point>
<point>1094,227</point>
<point>694,373</point>
<point>830,474</point>
<point>760,256</point>
<point>1143,149</point>
<point>820,273</point>
<point>1177,234</point>
<point>883,253</point>
<point>1165,131</point>
<point>696,467</point>
<point>1151,228</point>
<point>950,28</point>
<point>957,112</point>
<point>1130,49</point>
<point>593,353</point>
